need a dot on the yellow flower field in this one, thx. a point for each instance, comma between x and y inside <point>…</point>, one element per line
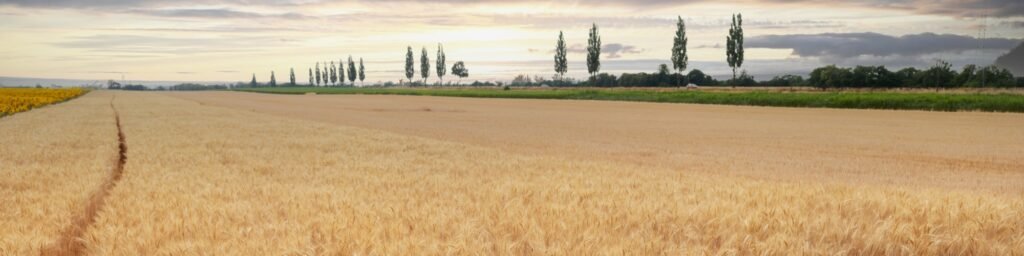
<point>14,100</point>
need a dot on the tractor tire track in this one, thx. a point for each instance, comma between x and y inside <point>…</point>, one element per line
<point>71,241</point>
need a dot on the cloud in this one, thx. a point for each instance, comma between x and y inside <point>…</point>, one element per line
<point>710,46</point>
<point>1013,60</point>
<point>611,51</point>
<point>1012,24</point>
<point>107,4</point>
<point>958,8</point>
<point>215,29</point>
<point>615,51</point>
<point>850,45</point>
<point>168,45</point>
<point>217,13</point>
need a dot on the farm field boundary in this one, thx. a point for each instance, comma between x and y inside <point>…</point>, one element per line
<point>1000,102</point>
<point>14,100</point>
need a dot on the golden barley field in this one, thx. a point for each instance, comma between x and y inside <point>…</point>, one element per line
<point>251,174</point>
<point>14,100</point>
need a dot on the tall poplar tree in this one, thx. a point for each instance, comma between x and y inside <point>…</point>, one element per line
<point>253,82</point>
<point>334,74</point>
<point>594,52</point>
<point>362,72</point>
<point>441,68</point>
<point>561,62</point>
<point>679,58</point>
<point>734,44</point>
<point>351,71</point>
<point>292,80</point>
<point>424,65</point>
<point>341,71</point>
<point>311,77</point>
<point>409,72</point>
<point>273,81</point>
<point>325,74</point>
<point>318,74</point>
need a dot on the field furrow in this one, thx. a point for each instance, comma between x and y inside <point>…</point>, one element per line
<point>52,159</point>
<point>211,180</point>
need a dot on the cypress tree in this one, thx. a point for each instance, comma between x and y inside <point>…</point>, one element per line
<point>311,77</point>
<point>273,81</point>
<point>253,82</point>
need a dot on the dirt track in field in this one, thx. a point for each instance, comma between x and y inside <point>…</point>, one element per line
<point>901,148</point>
<point>70,241</point>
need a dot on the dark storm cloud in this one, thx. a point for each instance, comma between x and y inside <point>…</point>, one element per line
<point>959,8</point>
<point>850,45</point>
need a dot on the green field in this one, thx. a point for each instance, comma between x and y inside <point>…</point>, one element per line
<point>935,101</point>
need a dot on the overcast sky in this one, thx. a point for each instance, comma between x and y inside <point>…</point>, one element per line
<point>229,40</point>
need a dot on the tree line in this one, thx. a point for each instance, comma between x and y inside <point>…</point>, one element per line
<point>333,75</point>
<point>458,69</point>
<point>828,77</point>
<point>940,75</point>
<point>734,56</point>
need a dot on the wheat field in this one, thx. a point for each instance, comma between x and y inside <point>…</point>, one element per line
<point>52,161</point>
<point>221,180</point>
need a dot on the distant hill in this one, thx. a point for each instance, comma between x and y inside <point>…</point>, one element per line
<point>1013,60</point>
